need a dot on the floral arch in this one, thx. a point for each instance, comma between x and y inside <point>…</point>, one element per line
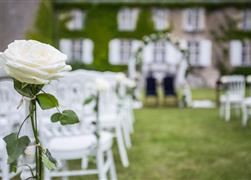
<point>141,64</point>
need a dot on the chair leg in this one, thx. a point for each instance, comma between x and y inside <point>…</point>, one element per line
<point>227,112</point>
<point>84,162</point>
<point>112,171</point>
<point>46,174</point>
<point>126,133</point>
<point>244,115</point>
<point>5,171</point>
<point>100,164</point>
<point>221,110</point>
<point>130,120</point>
<point>65,167</point>
<point>121,146</point>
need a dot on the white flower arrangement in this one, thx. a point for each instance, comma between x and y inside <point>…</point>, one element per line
<point>102,84</point>
<point>130,83</point>
<point>120,77</point>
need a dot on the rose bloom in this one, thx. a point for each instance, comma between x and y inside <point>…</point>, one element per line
<point>120,77</point>
<point>130,83</point>
<point>33,62</point>
<point>102,84</point>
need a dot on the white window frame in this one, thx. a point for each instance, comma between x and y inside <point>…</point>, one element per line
<point>77,50</point>
<point>246,20</point>
<point>160,18</point>
<point>246,53</point>
<point>194,19</point>
<point>127,19</point>
<point>77,20</point>
<point>193,47</point>
<point>125,50</point>
<point>159,52</point>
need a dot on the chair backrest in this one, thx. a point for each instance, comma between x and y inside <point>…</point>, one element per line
<point>109,99</point>
<point>151,86</point>
<point>169,86</point>
<point>235,84</point>
<point>71,91</point>
<point>9,100</point>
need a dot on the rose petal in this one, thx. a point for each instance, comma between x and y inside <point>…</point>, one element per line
<point>20,77</point>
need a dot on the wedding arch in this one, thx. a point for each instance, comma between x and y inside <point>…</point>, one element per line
<point>139,65</point>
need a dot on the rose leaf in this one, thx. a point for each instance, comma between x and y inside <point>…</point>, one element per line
<point>15,146</point>
<point>47,101</point>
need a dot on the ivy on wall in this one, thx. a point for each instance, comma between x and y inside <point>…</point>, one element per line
<point>101,27</point>
<point>42,29</point>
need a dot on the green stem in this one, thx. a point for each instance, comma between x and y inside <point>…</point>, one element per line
<point>38,154</point>
<point>98,118</point>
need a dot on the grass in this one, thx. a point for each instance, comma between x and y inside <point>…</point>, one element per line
<point>185,144</point>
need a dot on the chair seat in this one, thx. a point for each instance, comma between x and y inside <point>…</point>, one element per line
<point>78,143</point>
<point>232,98</point>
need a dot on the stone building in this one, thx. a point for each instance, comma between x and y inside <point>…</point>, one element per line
<point>16,17</point>
<point>104,34</point>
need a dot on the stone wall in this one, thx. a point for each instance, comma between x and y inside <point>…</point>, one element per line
<point>16,17</point>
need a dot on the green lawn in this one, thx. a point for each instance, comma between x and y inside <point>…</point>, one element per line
<point>186,144</point>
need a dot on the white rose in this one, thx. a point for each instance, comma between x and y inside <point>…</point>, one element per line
<point>120,77</point>
<point>33,62</point>
<point>130,83</point>
<point>102,84</point>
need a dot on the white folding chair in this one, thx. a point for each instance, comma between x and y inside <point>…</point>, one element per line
<point>110,119</point>
<point>233,96</point>
<point>246,106</point>
<point>75,142</point>
<point>9,116</point>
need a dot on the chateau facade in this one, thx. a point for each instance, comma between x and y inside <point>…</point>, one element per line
<point>118,27</point>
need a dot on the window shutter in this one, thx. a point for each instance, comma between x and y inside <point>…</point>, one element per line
<point>205,53</point>
<point>186,25</point>
<point>235,53</point>
<point>76,22</point>
<point>120,20</point>
<point>65,45</point>
<point>114,50</point>
<point>87,52</point>
<point>202,19</point>
<point>135,18</point>
<point>160,19</point>
<point>171,54</point>
<point>148,53</point>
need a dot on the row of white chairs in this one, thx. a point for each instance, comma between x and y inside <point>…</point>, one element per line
<point>78,141</point>
<point>234,97</point>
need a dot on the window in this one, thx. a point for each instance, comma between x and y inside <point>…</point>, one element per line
<point>159,52</point>
<point>127,19</point>
<point>77,20</point>
<point>246,20</point>
<point>194,19</point>
<point>160,19</point>
<point>77,50</point>
<point>125,51</point>
<point>246,53</point>
<point>194,52</point>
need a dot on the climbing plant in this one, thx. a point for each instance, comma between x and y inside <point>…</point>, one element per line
<point>155,37</point>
